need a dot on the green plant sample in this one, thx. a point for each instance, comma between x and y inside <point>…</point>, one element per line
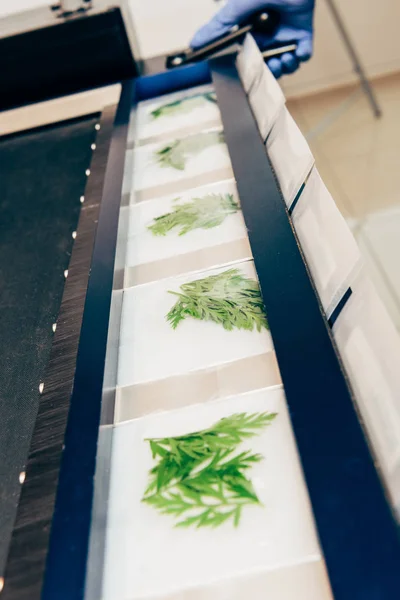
<point>199,479</point>
<point>175,154</point>
<point>204,212</point>
<point>184,105</point>
<point>229,299</point>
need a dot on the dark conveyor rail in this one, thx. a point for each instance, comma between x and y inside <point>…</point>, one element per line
<point>42,176</point>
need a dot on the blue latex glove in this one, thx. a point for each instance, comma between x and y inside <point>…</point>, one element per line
<point>296,24</point>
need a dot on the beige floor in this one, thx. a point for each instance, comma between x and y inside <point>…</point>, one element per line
<point>359,159</point>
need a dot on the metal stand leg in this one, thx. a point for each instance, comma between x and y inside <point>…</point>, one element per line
<point>366,86</point>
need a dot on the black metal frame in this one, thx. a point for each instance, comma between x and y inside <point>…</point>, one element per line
<point>59,56</point>
<point>68,550</point>
<point>358,533</point>
<point>62,447</point>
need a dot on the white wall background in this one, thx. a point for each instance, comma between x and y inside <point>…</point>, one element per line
<point>374,29</point>
<point>8,7</point>
<point>165,25</point>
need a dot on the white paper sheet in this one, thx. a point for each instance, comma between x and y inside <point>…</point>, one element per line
<point>148,172</point>
<point>147,557</point>
<point>303,581</point>
<point>381,229</point>
<point>198,106</point>
<point>369,345</point>
<point>290,155</point>
<point>383,274</point>
<point>250,63</point>
<point>266,99</point>
<point>331,251</point>
<point>151,349</point>
<point>144,246</point>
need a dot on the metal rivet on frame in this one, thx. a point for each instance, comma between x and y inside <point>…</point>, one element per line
<point>22,476</point>
<point>66,273</point>
<point>41,388</point>
<point>82,199</point>
<point>54,327</point>
<point>1,583</point>
<point>93,146</point>
<point>87,172</point>
<point>97,126</point>
<point>74,235</point>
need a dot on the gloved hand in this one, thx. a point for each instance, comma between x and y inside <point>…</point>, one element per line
<point>296,25</point>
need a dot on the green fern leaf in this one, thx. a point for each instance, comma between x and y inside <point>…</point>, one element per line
<point>175,154</point>
<point>228,299</point>
<point>184,105</point>
<point>198,478</point>
<point>204,212</point>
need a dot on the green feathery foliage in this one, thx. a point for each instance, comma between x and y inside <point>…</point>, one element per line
<point>198,480</point>
<point>229,299</point>
<point>184,105</point>
<point>175,154</point>
<point>204,212</point>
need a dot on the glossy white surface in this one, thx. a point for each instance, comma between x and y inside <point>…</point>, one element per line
<point>303,581</point>
<point>147,126</point>
<point>150,349</point>
<point>148,173</point>
<point>144,246</point>
<point>147,557</point>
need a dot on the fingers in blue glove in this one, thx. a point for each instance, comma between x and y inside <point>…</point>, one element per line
<point>296,26</point>
<point>209,32</point>
<point>304,48</point>
<point>290,62</point>
<point>275,67</point>
<point>285,64</point>
<point>230,15</point>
